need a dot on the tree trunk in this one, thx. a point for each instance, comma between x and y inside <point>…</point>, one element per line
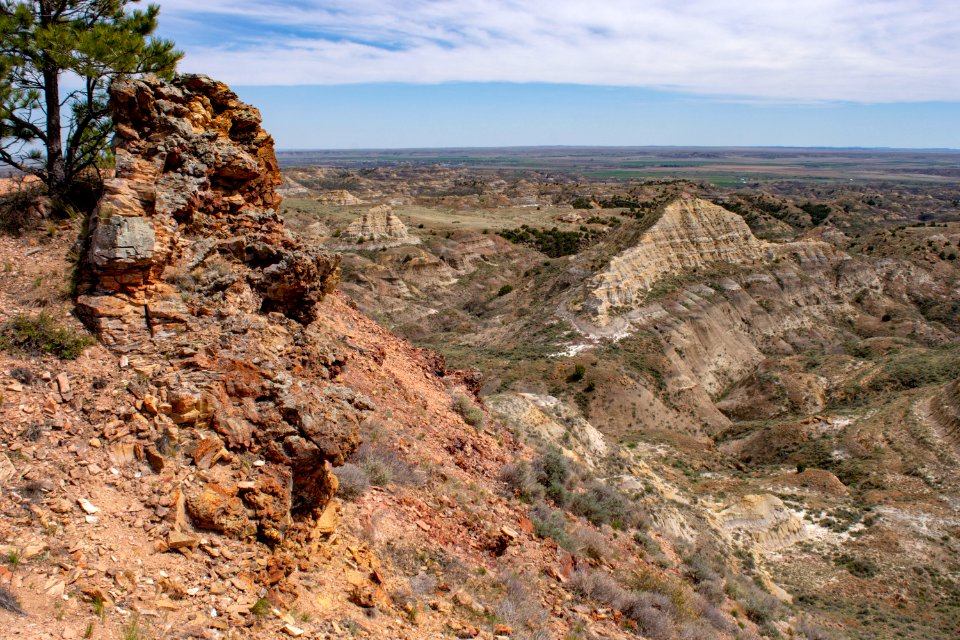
<point>56,165</point>
<point>57,178</point>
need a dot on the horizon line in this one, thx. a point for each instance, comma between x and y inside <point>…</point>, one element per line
<point>587,146</point>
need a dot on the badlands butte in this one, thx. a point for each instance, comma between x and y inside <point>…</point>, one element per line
<point>424,400</point>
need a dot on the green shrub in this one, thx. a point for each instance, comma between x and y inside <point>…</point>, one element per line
<point>578,372</point>
<point>601,504</point>
<point>817,212</point>
<point>468,411</point>
<point>134,630</point>
<point>549,523</point>
<point>933,366</point>
<point>860,567</point>
<point>42,335</point>
<point>504,290</point>
<point>553,473</point>
<point>260,608</point>
<point>552,242</point>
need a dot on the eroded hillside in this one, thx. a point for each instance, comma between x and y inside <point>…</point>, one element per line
<point>778,365</point>
<point>237,451</point>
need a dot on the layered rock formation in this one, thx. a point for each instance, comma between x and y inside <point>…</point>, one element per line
<point>765,520</point>
<point>376,228</point>
<point>192,161</point>
<point>946,410</point>
<point>690,234</point>
<point>339,197</point>
<point>189,263</point>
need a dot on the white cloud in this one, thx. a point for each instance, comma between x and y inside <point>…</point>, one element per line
<point>857,50</point>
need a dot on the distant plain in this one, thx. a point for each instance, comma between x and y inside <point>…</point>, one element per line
<point>720,166</point>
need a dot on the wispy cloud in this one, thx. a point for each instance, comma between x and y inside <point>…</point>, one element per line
<point>806,50</point>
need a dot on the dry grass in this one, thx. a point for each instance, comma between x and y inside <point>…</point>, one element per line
<point>520,607</point>
<point>653,613</point>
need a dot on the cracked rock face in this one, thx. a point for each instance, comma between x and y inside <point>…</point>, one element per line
<point>191,276</point>
<point>122,243</point>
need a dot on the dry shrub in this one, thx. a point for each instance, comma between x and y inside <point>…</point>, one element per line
<point>384,465</point>
<point>711,590</point>
<point>353,481</point>
<point>522,482</point>
<point>761,607</point>
<point>652,612</point>
<point>520,607</point>
<point>589,542</point>
<point>423,584</point>
<point>810,630</point>
<point>370,527</point>
<point>705,573</point>
<point>646,579</point>
<point>717,618</point>
<point>598,586</point>
<point>697,631</point>
<point>18,208</point>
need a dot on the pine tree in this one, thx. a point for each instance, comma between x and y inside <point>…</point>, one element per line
<point>57,58</point>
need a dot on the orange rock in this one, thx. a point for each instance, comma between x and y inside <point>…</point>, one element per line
<point>218,508</point>
<point>209,450</point>
<point>177,540</point>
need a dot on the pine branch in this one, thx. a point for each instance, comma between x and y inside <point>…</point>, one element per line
<point>8,159</point>
<point>29,126</point>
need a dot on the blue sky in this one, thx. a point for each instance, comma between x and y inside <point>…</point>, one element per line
<point>427,73</point>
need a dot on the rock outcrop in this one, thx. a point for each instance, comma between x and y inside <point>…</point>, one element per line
<point>690,234</point>
<point>339,198</point>
<point>765,520</point>
<point>551,419</point>
<point>377,228</point>
<point>191,275</point>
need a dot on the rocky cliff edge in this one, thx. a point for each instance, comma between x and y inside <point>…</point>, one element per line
<point>189,273</point>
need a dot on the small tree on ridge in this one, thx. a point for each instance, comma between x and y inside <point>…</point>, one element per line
<point>57,58</point>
